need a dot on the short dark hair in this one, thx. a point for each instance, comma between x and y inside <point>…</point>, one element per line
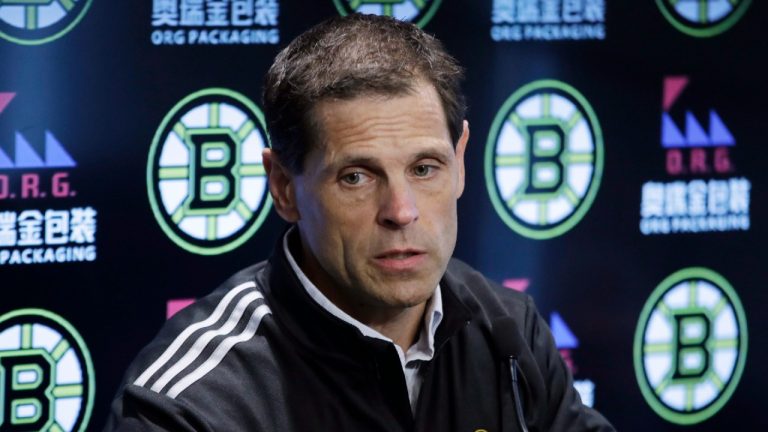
<point>348,57</point>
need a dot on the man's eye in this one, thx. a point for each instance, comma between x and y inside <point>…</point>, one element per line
<point>423,170</point>
<point>352,178</point>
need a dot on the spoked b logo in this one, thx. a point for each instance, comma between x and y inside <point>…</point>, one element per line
<point>205,177</point>
<point>46,373</point>
<point>544,159</point>
<point>418,12</point>
<point>690,345</point>
<point>703,18</point>
<point>34,22</point>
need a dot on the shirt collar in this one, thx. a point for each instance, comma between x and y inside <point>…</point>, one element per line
<point>423,349</point>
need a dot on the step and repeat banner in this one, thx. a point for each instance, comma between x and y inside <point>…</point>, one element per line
<point>616,172</point>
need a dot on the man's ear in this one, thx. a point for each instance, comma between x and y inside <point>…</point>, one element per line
<point>281,186</point>
<point>461,147</point>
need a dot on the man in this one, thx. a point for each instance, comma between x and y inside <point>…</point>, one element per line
<point>360,321</point>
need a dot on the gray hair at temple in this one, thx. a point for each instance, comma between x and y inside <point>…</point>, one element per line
<point>348,57</point>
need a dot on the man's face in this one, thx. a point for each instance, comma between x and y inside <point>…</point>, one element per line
<point>376,203</point>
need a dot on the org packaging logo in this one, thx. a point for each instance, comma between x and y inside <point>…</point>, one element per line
<point>35,22</point>
<point>544,159</point>
<point>47,380</point>
<point>215,22</point>
<point>690,346</point>
<point>206,181</point>
<point>547,20</point>
<point>707,196</point>
<point>418,12</point>
<point>703,18</point>
<point>52,233</point>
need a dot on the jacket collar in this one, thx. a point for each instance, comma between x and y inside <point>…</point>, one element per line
<point>317,328</point>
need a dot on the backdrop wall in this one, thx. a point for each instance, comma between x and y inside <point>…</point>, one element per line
<point>615,172</point>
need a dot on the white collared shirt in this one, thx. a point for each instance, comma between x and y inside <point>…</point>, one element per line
<point>411,361</point>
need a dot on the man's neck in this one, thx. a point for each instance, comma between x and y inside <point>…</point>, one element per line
<point>400,325</point>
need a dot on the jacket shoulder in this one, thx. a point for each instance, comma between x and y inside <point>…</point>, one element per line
<point>206,347</point>
<point>208,312</point>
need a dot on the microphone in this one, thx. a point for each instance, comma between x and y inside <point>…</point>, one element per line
<point>503,332</point>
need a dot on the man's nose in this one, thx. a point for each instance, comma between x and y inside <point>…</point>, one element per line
<point>398,205</point>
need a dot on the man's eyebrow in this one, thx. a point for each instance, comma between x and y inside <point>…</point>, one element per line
<point>369,161</point>
<point>356,160</point>
<point>351,160</point>
<point>439,154</point>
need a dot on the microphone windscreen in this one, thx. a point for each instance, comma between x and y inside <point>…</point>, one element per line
<point>506,336</point>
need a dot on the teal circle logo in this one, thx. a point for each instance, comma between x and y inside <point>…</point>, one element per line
<point>46,371</point>
<point>703,18</point>
<point>205,177</point>
<point>544,159</point>
<point>690,346</point>
<point>35,22</point>
<point>418,12</point>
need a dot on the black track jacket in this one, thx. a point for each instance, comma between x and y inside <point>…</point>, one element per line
<point>258,354</point>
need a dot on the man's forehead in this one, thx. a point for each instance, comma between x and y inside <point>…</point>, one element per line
<point>418,88</point>
<point>329,112</point>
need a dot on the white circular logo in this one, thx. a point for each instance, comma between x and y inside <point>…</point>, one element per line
<point>690,346</point>
<point>206,181</point>
<point>46,371</point>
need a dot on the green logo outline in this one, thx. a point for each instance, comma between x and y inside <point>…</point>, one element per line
<point>159,214</point>
<point>709,31</point>
<point>89,378</point>
<point>345,8</point>
<point>56,35</point>
<point>671,281</point>
<point>580,210</point>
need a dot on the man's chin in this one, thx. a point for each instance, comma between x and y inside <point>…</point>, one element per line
<point>407,297</point>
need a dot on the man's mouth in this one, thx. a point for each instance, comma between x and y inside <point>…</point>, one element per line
<point>400,259</point>
<point>399,254</point>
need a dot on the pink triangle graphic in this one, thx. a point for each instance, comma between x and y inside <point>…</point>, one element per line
<point>516,284</point>
<point>673,86</point>
<point>5,99</point>
<point>175,305</point>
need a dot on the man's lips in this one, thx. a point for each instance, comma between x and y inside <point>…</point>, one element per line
<point>400,259</point>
